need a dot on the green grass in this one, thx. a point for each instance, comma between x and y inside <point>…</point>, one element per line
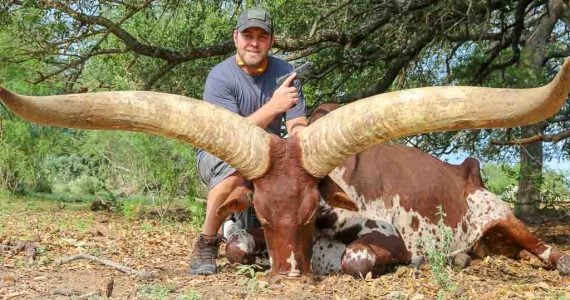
<point>156,291</point>
<point>14,204</point>
<point>190,295</point>
<point>21,207</point>
<point>131,207</point>
<point>62,197</point>
<point>165,291</point>
<point>76,224</point>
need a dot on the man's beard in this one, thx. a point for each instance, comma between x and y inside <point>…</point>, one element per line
<point>251,62</point>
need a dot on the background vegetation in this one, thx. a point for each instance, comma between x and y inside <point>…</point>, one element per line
<point>359,48</point>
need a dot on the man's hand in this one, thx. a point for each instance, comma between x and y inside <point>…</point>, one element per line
<point>284,97</point>
<point>294,126</point>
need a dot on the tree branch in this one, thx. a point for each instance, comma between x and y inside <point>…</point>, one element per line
<point>163,71</point>
<point>553,138</point>
<point>406,56</point>
<point>325,15</point>
<point>103,261</point>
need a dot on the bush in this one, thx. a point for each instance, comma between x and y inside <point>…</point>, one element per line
<point>85,185</point>
<point>107,163</point>
<point>503,181</point>
<point>500,179</point>
<point>24,149</point>
<point>131,208</point>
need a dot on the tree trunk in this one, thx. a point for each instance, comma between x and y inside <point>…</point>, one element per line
<point>531,155</point>
<point>530,179</point>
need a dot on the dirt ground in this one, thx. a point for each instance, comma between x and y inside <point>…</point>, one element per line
<point>34,237</point>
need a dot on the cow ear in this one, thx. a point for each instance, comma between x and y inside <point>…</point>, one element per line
<point>342,200</point>
<point>335,196</point>
<point>238,200</point>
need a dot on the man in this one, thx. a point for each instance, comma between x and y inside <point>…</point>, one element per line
<point>244,84</point>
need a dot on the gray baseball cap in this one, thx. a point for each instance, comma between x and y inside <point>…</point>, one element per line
<point>255,17</point>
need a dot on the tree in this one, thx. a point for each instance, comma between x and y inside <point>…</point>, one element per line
<point>360,48</point>
<point>531,154</point>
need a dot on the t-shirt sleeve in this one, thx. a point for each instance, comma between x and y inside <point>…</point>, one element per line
<point>219,92</point>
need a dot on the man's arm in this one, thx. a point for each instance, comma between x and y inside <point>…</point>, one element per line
<point>296,125</point>
<point>282,100</point>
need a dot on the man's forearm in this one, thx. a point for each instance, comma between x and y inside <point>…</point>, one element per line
<point>263,116</point>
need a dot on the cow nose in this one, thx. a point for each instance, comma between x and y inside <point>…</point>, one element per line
<point>294,273</point>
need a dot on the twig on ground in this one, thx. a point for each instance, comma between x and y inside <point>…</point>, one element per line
<point>122,268</point>
<point>65,292</point>
<point>14,295</point>
<point>88,295</point>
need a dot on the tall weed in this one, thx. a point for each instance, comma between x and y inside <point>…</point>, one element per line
<point>436,251</point>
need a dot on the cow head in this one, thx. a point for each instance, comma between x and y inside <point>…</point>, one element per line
<point>285,173</point>
<point>285,201</point>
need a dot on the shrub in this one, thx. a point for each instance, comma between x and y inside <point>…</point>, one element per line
<point>436,252</point>
<point>85,185</point>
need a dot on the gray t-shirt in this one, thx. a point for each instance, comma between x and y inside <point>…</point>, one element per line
<point>230,87</point>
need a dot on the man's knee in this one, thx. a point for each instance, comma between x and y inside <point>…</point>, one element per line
<point>226,185</point>
<point>234,179</point>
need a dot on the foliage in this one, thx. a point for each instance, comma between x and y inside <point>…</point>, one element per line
<point>499,178</point>
<point>37,159</point>
<point>23,150</point>
<point>252,272</point>
<point>249,270</point>
<point>43,159</point>
<point>436,251</point>
<point>198,212</point>
<point>190,295</point>
<point>359,49</point>
<point>138,163</point>
<point>502,180</point>
<point>23,146</point>
<point>156,291</point>
<point>131,208</point>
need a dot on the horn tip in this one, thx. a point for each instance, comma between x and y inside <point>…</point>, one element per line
<point>566,63</point>
<point>3,92</point>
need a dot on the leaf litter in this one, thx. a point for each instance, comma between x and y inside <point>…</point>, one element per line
<point>163,248</point>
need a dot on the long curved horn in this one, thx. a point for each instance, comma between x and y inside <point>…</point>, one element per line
<point>361,124</point>
<point>217,130</point>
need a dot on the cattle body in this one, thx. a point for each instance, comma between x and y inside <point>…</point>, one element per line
<point>398,191</point>
<point>289,175</point>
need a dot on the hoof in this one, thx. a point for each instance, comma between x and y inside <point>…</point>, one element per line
<point>358,261</point>
<point>240,248</point>
<point>461,260</point>
<point>563,265</point>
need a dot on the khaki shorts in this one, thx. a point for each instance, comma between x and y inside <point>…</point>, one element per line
<point>212,170</point>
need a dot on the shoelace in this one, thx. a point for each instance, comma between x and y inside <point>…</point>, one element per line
<point>207,248</point>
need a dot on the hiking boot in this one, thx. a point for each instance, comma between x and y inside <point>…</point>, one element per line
<point>203,260</point>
